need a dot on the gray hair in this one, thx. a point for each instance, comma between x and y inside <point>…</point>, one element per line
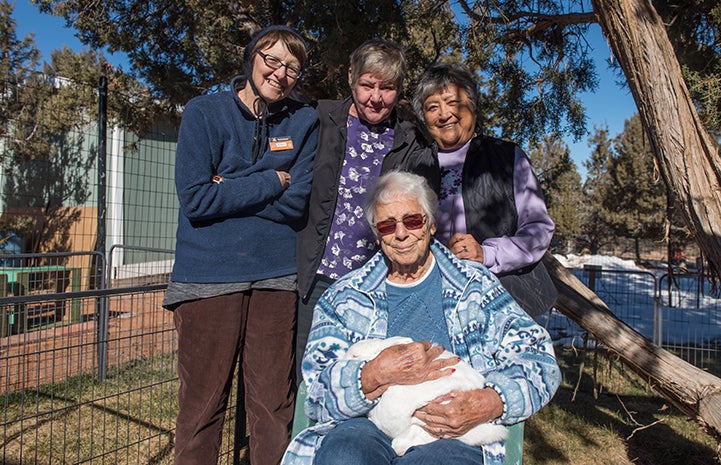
<point>383,58</point>
<point>396,185</point>
<point>437,78</point>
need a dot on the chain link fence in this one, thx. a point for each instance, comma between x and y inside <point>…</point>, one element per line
<point>87,354</point>
<point>683,317</point>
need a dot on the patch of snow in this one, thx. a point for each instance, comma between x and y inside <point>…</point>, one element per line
<point>604,261</point>
<point>689,317</point>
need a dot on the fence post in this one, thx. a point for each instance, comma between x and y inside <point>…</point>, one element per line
<point>699,282</point>
<point>657,313</point>
<point>102,302</point>
<point>592,271</point>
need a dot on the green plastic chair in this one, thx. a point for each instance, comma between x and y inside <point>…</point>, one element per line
<point>514,443</point>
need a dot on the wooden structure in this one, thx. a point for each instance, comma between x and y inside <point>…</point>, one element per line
<point>692,390</point>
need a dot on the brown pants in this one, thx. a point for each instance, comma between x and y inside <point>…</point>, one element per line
<point>258,325</point>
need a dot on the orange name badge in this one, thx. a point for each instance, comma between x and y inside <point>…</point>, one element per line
<point>281,143</point>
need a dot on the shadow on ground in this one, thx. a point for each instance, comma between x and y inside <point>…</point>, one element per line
<point>624,419</point>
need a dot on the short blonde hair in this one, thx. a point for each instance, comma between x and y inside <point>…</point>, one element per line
<point>382,58</point>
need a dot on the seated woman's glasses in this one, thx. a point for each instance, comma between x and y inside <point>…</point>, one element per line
<point>414,221</point>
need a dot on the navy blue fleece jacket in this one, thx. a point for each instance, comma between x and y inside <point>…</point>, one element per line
<point>236,223</point>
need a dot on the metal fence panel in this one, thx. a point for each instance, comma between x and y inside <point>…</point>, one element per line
<point>691,321</point>
<point>87,354</point>
<point>685,320</point>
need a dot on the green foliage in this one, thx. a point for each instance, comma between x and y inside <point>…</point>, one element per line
<point>531,59</point>
<point>183,46</point>
<point>694,27</point>
<point>561,185</point>
<point>130,103</point>
<point>432,34</point>
<point>33,130</point>
<point>636,206</point>
<point>48,119</point>
<point>596,231</point>
<point>537,61</point>
<point>42,154</point>
<point>624,192</point>
<point>17,56</point>
<point>705,89</point>
<point>334,30</point>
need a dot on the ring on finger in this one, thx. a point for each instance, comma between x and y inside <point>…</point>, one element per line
<point>464,248</point>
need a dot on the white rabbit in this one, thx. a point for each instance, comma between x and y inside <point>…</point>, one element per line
<point>393,414</point>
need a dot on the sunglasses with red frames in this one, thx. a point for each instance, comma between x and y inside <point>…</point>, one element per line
<point>410,222</point>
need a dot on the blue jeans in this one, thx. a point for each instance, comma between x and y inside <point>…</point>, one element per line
<point>359,442</point>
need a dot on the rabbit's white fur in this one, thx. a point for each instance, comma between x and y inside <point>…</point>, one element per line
<point>393,414</point>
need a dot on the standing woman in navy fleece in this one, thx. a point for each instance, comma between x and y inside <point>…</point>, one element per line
<point>243,173</point>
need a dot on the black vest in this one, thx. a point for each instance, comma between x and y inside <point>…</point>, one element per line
<point>490,207</point>
<point>488,195</point>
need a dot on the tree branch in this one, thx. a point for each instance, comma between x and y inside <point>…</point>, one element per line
<point>538,22</point>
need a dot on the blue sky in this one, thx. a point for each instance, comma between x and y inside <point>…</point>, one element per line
<point>609,106</point>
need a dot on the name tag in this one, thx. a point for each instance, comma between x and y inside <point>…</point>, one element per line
<point>281,143</point>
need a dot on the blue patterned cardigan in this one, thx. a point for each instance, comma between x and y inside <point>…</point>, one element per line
<point>485,325</point>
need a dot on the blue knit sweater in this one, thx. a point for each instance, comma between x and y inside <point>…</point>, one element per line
<point>486,327</point>
<point>242,226</point>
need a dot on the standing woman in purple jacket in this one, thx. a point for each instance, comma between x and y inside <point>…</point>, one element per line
<point>491,208</point>
<point>243,174</point>
<point>360,138</point>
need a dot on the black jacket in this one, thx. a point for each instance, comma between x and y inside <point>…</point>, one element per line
<point>410,152</point>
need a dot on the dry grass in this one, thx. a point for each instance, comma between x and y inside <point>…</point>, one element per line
<point>614,418</point>
<point>125,419</point>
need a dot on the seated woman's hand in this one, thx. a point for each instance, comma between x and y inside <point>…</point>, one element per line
<point>454,414</point>
<point>411,363</point>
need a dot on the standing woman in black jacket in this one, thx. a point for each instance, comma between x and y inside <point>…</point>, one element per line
<point>360,138</point>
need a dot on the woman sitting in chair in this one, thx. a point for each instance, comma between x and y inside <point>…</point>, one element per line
<point>415,287</point>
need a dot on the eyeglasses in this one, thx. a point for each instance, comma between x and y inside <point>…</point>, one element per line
<point>410,222</point>
<point>275,63</point>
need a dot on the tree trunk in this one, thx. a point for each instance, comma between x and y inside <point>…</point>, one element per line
<point>686,155</point>
<point>695,392</point>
